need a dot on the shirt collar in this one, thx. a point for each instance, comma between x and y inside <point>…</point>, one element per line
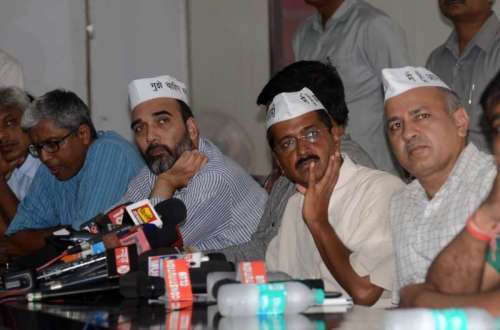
<point>484,38</point>
<point>29,166</point>
<point>340,14</point>
<point>347,171</point>
<point>458,175</point>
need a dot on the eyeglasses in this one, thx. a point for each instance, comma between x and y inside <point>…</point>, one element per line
<point>289,144</point>
<point>50,147</point>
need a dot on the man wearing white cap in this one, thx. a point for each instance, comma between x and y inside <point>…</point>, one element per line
<point>336,226</point>
<point>467,271</point>
<point>224,204</point>
<point>427,129</point>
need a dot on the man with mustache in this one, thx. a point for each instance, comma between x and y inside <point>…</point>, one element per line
<point>17,166</point>
<point>467,271</point>
<point>224,204</point>
<point>469,58</point>
<point>359,40</point>
<point>336,226</point>
<point>427,129</point>
<point>83,173</point>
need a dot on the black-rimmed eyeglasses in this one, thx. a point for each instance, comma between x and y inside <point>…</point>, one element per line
<point>50,146</point>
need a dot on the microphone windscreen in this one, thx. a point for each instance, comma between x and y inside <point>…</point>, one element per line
<point>159,237</point>
<point>172,211</point>
<point>140,285</point>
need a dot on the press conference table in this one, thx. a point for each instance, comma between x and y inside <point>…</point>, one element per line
<point>112,312</point>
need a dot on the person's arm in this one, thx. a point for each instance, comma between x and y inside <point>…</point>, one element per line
<point>333,252</point>
<point>425,295</point>
<point>26,241</point>
<point>459,268</point>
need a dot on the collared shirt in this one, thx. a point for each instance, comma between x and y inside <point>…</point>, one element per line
<point>224,204</point>
<point>469,73</point>
<point>360,41</point>
<point>11,73</point>
<point>359,213</point>
<point>423,227</point>
<point>21,178</point>
<point>111,162</point>
<point>270,222</point>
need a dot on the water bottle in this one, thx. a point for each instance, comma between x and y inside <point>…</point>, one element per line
<point>270,298</point>
<point>440,319</point>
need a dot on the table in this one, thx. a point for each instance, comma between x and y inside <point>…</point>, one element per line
<point>110,311</point>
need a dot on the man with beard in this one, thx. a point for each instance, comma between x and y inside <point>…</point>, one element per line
<point>224,204</point>
<point>83,173</point>
<point>336,226</point>
<point>17,166</point>
<point>469,58</point>
<point>427,128</point>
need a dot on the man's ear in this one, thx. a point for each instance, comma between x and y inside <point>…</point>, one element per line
<point>277,161</point>
<point>85,134</point>
<point>461,120</point>
<point>192,129</point>
<point>337,130</point>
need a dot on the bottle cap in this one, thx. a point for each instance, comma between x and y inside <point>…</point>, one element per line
<point>319,296</point>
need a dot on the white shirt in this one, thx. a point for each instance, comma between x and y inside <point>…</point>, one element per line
<point>21,178</point>
<point>423,227</point>
<point>359,214</point>
<point>11,73</point>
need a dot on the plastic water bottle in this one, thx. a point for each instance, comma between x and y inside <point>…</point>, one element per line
<point>270,298</point>
<point>440,319</point>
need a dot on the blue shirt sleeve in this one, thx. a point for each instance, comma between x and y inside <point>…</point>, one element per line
<point>36,210</point>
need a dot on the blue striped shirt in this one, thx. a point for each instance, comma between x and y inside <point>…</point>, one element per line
<point>111,162</point>
<point>224,204</point>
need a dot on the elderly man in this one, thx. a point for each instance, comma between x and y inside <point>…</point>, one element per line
<point>17,166</point>
<point>359,40</point>
<point>467,271</point>
<point>324,81</point>
<point>469,58</point>
<point>427,129</point>
<point>224,204</point>
<point>83,172</point>
<point>336,226</point>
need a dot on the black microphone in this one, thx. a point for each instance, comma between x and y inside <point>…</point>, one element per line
<point>172,213</point>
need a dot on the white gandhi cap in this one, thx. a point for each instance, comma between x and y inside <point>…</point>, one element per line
<point>287,106</point>
<point>399,80</point>
<point>142,90</point>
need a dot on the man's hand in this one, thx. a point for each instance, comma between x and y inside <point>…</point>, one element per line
<point>178,176</point>
<point>410,294</point>
<point>317,194</point>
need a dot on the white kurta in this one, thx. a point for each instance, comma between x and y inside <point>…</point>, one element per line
<point>359,214</point>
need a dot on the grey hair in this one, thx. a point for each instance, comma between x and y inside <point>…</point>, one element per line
<point>14,96</point>
<point>452,100</point>
<point>62,107</point>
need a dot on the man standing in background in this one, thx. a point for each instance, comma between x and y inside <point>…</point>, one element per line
<point>469,58</point>
<point>359,41</point>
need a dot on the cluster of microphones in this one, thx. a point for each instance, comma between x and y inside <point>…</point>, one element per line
<point>136,249</point>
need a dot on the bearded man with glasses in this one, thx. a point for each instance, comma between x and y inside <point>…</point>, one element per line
<point>83,173</point>
<point>336,226</point>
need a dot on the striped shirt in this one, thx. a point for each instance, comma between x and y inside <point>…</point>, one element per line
<point>224,204</point>
<point>111,162</point>
<point>422,227</point>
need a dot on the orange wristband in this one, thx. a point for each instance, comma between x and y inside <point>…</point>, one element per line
<point>475,231</point>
